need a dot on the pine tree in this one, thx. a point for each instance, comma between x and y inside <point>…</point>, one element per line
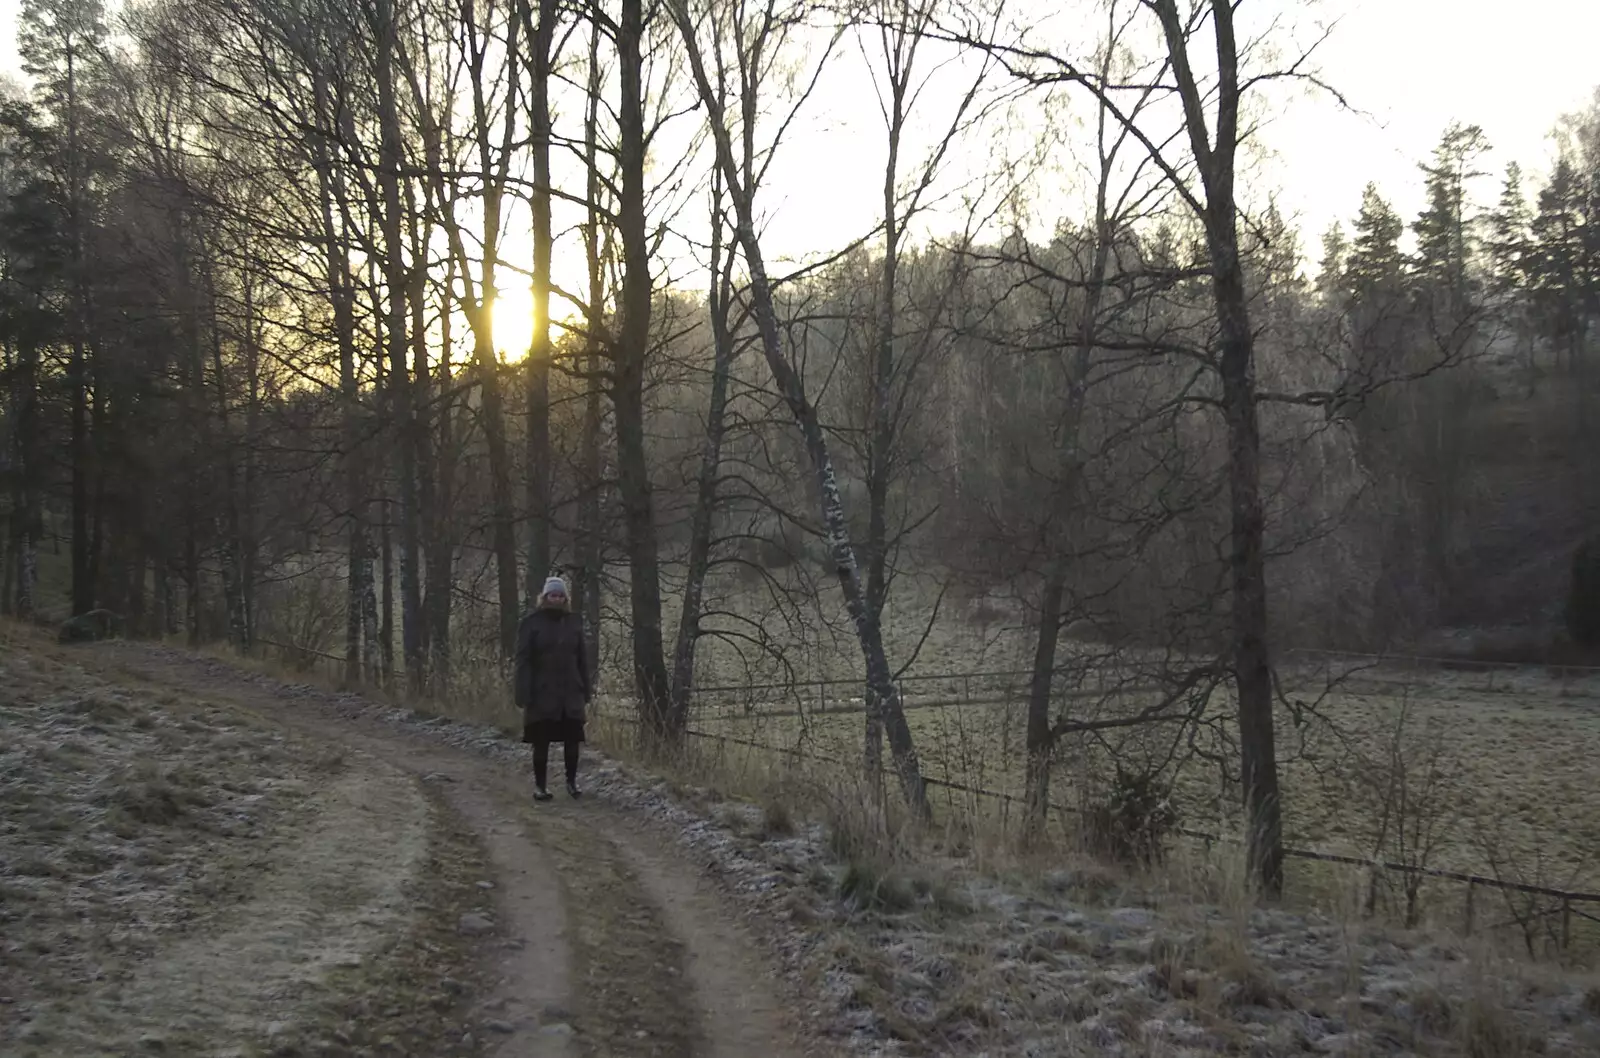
<point>1375,263</point>
<point>1444,230</point>
<point>1510,256</point>
<point>1331,272</point>
<point>1509,245</point>
<point>1560,269</point>
<point>59,42</point>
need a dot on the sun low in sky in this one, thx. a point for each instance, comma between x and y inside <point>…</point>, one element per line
<point>513,323</point>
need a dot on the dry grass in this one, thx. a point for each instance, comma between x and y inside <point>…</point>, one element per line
<point>122,812</point>
<point>1525,740</point>
<point>951,940</point>
<point>1046,953</point>
<point>1524,751</point>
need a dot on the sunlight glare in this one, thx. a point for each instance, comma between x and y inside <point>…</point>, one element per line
<point>513,323</point>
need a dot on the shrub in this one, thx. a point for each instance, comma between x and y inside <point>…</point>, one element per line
<point>90,627</point>
<point>1131,825</point>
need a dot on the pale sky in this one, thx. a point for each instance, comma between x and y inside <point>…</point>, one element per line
<point>1411,65</point>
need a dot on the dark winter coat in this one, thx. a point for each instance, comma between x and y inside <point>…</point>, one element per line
<point>551,678</point>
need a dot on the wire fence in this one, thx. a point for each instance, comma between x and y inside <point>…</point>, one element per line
<point>1566,907</point>
<point>1551,911</point>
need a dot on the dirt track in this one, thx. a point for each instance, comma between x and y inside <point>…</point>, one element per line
<point>602,940</point>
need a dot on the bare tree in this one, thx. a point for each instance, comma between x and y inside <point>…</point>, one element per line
<point>490,142</point>
<point>629,360</point>
<point>751,39</point>
<point>1202,174</point>
<point>391,162</point>
<point>539,30</point>
<point>719,306</point>
<point>902,30</point>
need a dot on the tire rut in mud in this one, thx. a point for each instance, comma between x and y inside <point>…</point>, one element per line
<point>414,997</point>
<point>634,999</point>
<point>600,948</point>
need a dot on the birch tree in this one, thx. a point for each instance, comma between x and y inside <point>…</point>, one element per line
<point>902,74</point>
<point>745,43</point>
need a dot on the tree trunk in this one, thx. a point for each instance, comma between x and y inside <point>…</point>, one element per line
<point>79,451</point>
<point>386,597</point>
<point>137,600</point>
<point>249,532</point>
<point>29,518</point>
<point>228,529</point>
<point>627,395</point>
<point>372,641</point>
<point>542,36</point>
<point>503,513</point>
<point>591,543</point>
<point>161,590</point>
<point>1247,559</point>
<point>1041,735</point>
<point>424,396</point>
<point>441,553</point>
<point>1040,739</point>
<point>883,696</point>
<point>82,574</point>
<point>719,301</point>
<point>99,460</point>
<point>881,426</point>
<point>1252,670</point>
<point>392,157</point>
<point>194,608</point>
<point>331,191</point>
<point>11,470</point>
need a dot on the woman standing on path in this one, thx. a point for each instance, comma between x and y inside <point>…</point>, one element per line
<point>552,682</point>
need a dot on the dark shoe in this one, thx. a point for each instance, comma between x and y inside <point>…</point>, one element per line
<point>573,791</point>
<point>541,794</point>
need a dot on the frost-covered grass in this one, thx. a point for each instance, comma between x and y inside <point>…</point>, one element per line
<point>125,812</point>
<point>911,942</point>
<point>1491,770</point>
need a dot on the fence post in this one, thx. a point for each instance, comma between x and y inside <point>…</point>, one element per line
<point>1472,889</point>
<point>1566,922</point>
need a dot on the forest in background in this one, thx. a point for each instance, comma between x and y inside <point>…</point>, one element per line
<point>251,252</point>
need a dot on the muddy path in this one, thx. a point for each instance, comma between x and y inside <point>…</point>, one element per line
<point>602,940</point>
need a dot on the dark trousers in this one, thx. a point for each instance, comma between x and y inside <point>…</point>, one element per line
<point>541,760</point>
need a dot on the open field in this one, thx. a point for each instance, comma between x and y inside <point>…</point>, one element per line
<point>1519,760</point>
<point>1483,770</point>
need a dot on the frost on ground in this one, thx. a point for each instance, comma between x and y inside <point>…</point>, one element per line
<point>919,959</point>
<point>180,877</point>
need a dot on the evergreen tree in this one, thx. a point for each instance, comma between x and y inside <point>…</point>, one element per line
<point>1560,269</point>
<point>1375,263</point>
<point>1510,264</point>
<point>31,272</point>
<point>1331,272</point>
<point>60,45</point>
<point>1444,230</point>
<point>59,40</point>
<point>1510,241</point>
